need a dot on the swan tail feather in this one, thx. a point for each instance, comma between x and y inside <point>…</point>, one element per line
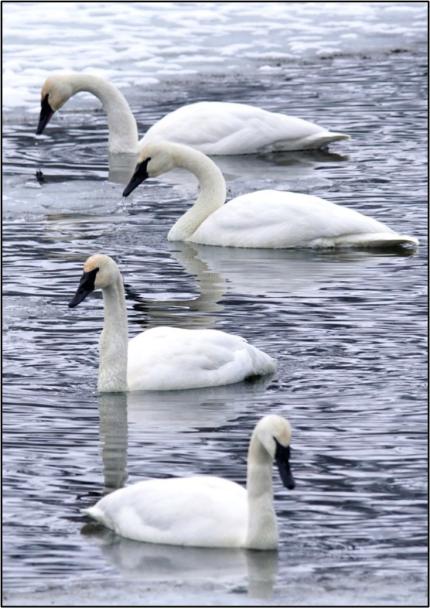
<point>311,142</point>
<point>382,240</point>
<point>263,363</point>
<point>323,138</point>
<point>94,512</point>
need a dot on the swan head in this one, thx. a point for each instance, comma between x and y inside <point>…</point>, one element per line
<point>154,159</point>
<point>57,89</point>
<point>100,271</point>
<point>274,433</point>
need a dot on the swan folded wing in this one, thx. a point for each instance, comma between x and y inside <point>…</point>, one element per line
<point>229,128</point>
<point>167,358</point>
<point>197,511</point>
<point>276,219</point>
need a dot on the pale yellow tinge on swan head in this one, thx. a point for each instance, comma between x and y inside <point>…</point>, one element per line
<point>58,88</point>
<point>271,428</point>
<point>107,273</point>
<point>159,157</point>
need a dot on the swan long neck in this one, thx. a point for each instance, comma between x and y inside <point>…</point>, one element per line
<point>123,134</point>
<point>212,191</point>
<point>262,526</point>
<point>114,340</point>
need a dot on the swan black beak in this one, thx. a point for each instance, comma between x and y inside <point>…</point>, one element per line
<point>86,286</point>
<point>139,175</point>
<point>46,113</point>
<point>282,456</point>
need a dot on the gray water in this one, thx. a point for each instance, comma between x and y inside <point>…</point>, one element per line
<point>348,330</point>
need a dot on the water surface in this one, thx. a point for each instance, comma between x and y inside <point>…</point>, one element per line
<point>348,330</point>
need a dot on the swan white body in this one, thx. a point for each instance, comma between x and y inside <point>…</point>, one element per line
<point>206,511</point>
<point>217,128</point>
<point>222,128</point>
<point>162,358</point>
<point>276,219</point>
<point>158,511</point>
<point>169,358</point>
<point>265,219</point>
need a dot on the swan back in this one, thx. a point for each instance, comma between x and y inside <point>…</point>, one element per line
<point>172,358</point>
<point>278,219</point>
<point>218,128</point>
<point>200,511</point>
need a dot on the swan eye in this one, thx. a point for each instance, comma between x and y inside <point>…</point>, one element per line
<point>85,287</point>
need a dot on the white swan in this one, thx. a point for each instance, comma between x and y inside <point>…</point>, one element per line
<point>162,358</point>
<point>265,219</point>
<point>207,511</point>
<point>213,127</point>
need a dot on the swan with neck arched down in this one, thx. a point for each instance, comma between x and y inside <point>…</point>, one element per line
<point>162,358</point>
<point>214,127</point>
<point>263,219</point>
<point>206,511</point>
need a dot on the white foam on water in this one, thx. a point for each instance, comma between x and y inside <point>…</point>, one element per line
<point>144,43</point>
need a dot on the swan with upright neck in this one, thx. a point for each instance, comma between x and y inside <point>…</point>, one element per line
<point>162,358</point>
<point>206,511</point>
<point>215,128</point>
<point>271,219</point>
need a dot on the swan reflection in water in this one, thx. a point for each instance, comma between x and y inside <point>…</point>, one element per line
<point>113,439</point>
<point>274,272</point>
<point>170,564</point>
<point>266,273</point>
<point>165,416</point>
<point>211,288</point>
<point>280,166</point>
<point>277,166</point>
<point>121,167</point>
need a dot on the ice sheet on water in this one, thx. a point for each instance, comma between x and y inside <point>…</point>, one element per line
<point>31,199</point>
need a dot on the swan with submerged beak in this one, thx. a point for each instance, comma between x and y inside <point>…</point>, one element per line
<point>272,219</point>
<point>214,127</point>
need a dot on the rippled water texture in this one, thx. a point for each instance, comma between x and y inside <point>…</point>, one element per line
<point>348,329</point>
